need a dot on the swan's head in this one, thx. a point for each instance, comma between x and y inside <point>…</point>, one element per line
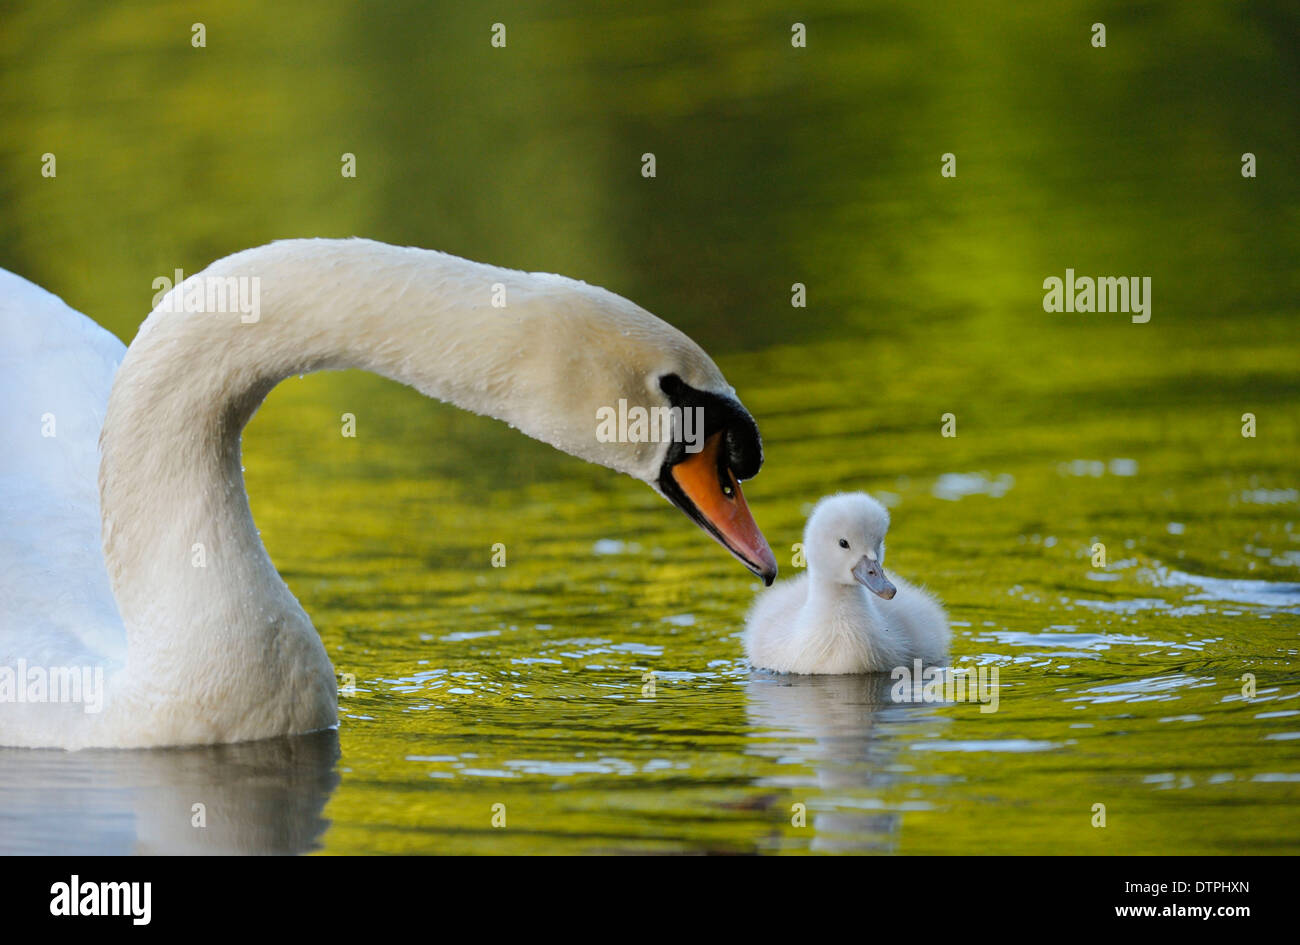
<point>844,542</point>
<point>700,474</point>
<point>605,380</point>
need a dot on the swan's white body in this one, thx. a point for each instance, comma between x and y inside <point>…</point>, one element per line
<point>826,621</point>
<point>223,652</point>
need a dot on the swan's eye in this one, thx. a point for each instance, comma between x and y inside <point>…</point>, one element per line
<point>844,542</point>
<point>724,480</point>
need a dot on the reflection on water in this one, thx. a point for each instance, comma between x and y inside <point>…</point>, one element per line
<point>1161,682</point>
<point>827,726</point>
<point>262,797</point>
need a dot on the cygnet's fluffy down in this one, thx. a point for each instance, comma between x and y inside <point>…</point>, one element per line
<point>844,615</point>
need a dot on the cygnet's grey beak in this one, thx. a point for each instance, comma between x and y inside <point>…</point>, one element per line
<point>871,575</point>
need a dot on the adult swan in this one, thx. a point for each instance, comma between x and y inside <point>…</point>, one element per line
<point>105,577</point>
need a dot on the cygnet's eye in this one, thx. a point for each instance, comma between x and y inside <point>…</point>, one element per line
<point>844,542</point>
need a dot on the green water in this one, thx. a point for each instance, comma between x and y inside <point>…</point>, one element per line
<point>525,685</point>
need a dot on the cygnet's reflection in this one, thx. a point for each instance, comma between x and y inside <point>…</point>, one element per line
<point>832,724</point>
<point>264,797</point>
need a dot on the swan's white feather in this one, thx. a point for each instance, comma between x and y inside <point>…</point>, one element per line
<point>56,369</point>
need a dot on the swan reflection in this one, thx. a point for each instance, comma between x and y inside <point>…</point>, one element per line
<point>265,797</point>
<point>843,729</point>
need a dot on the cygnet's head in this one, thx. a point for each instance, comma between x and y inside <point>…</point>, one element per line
<point>844,542</point>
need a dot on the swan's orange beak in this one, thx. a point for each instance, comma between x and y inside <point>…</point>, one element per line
<point>713,499</point>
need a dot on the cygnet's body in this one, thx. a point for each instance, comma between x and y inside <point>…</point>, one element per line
<point>844,615</point>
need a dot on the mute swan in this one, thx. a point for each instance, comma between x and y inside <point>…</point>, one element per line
<point>824,621</point>
<point>106,578</point>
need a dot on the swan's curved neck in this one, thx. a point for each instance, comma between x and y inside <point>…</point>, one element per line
<point>206,613</point>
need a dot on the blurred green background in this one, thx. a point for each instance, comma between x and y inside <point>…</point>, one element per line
<point>775,165</point>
